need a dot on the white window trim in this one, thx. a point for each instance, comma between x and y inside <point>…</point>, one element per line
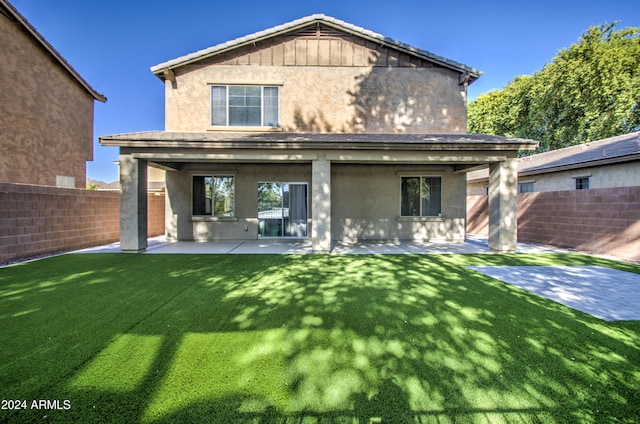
<point>583,175</point>
<point>228,127</point>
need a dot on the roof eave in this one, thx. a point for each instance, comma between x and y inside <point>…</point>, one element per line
<point>579,165</point>
<point>152,142</point>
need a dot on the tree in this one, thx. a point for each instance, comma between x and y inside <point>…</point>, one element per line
<point>589,91</point>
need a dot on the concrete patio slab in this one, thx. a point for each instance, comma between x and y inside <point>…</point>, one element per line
<point>605,293</point>
<point>473,244</point>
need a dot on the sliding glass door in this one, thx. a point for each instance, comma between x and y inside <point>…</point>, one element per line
<point>282,209</point>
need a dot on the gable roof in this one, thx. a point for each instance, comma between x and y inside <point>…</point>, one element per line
<point>618,149</point>
<point>10,12</point>
<point>297,24</point>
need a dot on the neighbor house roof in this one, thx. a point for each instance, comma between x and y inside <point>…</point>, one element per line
<point>395,141</point>
<point>10,12</point>
<point>623,148</point>
<point>310,20</point>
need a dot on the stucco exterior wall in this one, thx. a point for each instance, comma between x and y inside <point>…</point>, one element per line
<point>46,116</point>
<point>181,225</point>
<point>365,202</point>
<point>608,176</point>
<point>618,175</point>
<point>329,98</point>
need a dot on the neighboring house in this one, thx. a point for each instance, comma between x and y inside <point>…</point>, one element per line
<point>607,163</point>
<point>46,109</point>
<point>315,129</point>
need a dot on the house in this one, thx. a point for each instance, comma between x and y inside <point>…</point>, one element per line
<point>46,109</point>
<point>611,162</point>
<point>315,129</point>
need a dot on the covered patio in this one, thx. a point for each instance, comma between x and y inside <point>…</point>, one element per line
<point>353,180</point>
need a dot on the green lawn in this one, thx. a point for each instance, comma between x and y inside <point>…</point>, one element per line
<point>305,339</point>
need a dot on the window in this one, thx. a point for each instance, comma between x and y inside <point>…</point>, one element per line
<point>214,196</point>
<point>421,196</point>
<point>582,183</point>
<point>525,187</point>
<point>244,106</point>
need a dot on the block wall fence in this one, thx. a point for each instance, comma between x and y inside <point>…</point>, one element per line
<point>39,220</point>
<point>601,221</point>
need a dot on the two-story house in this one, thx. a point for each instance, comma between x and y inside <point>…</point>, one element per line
<point>46,109</point>
<point>316,129</point>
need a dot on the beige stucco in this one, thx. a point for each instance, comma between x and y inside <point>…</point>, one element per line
<point>46,115</point>
<point>364,202</point>
<point>606,176</point>
<point>369,95</point>
<point>615,175</point>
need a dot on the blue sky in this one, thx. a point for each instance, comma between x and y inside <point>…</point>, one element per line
<point>112,44</point>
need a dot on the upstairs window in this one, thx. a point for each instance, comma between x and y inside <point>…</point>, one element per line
<point>244,106</point>
<point>421,196</point>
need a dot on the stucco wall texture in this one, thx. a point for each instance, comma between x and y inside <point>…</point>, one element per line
<point>607,176</point>
<point>37,220</point>
<point>327,85</point>
<point>365,202</point>
<point>602,221</point>
<point>46,117</point>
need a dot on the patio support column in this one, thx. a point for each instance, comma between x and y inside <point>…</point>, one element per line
<point>503,205</point>
<point>321,205</point>
<point>133,204</point>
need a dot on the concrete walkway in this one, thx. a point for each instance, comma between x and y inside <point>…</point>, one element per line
<point>605,293</point>
<point>473,244</point>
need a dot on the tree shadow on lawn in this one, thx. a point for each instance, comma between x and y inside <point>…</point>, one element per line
<point>308,339</point>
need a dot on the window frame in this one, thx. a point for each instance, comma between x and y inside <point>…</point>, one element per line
<point>227,108</point>
<point>582,183</point>
<point>529,185</point>
<point>421,215</point>
<point>212,200</point>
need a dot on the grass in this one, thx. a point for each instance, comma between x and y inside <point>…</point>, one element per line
<point>306,339</point>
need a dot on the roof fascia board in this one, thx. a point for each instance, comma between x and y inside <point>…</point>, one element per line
<point>315,145</point>
<point>50,49</point>
<point>579,165</point>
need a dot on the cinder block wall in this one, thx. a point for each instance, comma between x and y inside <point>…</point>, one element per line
<point>37,220</point>
<point>602,221</point>
<point>478,215</point>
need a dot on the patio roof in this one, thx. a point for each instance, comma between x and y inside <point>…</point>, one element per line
<point>340,141</point>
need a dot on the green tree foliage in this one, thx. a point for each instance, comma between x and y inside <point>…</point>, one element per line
<point>589,91</point>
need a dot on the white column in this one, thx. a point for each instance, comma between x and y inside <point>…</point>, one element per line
<point>133,204</point>
<point>503,205</point>
<point>321,205</point>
